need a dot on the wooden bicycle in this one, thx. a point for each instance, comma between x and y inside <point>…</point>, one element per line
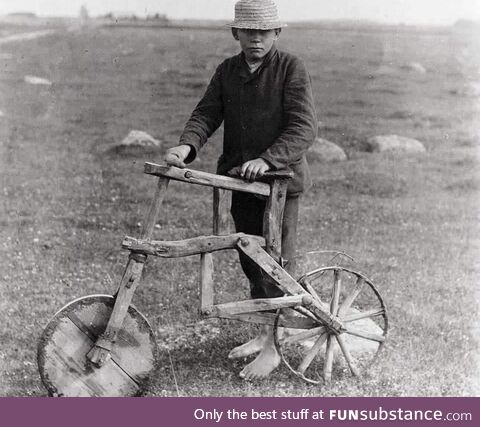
<point>101,345</point>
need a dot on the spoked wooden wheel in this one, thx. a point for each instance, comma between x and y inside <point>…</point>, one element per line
<point>69,336</point>
<point>314,352</point>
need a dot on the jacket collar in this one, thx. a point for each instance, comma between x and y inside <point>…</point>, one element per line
<point>243,67</point>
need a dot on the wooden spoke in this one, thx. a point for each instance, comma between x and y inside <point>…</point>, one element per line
<point>327,367</point>
<point>305,312</point>
<point>364,315</point>
<point>366,335</point>
<point>312,291</point>
<point>347,303</point>
<point>303,336</point>
<point>307,360</point>
<point>337,283</point>
<point>348,356</point>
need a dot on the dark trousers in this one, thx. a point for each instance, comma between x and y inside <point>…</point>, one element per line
<point>247,212</point>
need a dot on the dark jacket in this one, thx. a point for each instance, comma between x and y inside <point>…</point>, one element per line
<point>268,114</point>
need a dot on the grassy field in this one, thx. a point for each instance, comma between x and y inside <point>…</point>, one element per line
<point>411,222</point>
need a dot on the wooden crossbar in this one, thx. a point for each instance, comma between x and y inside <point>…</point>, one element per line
<point>187,247</point>
<point>255,305</point>
<point>207,179</point>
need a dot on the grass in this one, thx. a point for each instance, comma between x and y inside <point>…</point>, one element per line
<point>410,222</point>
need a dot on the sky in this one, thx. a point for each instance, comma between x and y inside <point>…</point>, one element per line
<point>436,12</point>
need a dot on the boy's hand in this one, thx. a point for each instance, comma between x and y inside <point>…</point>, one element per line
<point>254,169</point>
<point>176,156</point>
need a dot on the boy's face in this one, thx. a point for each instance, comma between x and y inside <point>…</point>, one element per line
<point>256,44</point>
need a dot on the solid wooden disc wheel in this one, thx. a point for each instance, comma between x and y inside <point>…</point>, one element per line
<point>315,352</point>
<point>71,334</point>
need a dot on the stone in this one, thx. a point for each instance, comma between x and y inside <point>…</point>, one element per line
<point>139,138</point>
<point>34,80</point>
<point>127,52</point>
<point>25,36</point>
<point>394,144</point>
<point>471,89</point>
<point>325,151</point>
<point>416,67</point>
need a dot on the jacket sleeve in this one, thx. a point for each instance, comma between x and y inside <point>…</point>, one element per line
<point>300,119</point>
<point>206,117</point>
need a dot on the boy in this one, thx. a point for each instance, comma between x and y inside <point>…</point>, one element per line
<point>265,100</point>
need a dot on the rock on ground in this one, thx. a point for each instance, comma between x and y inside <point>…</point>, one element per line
<point>326,151</point>
<point>416,67</point>
<point>471,89</point>
<point>394,144</point>
<point>138,138</point>
<point>34,80</point>
<point>25,36</point>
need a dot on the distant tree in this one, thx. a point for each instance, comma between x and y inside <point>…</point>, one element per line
<point>158,17</point>
<point>83,15</point>
<point>467,24</point>
<point>23,14</point>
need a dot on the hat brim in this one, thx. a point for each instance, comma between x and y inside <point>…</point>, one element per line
<point>256,25</point>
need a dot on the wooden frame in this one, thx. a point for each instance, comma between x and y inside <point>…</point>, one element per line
<point>269,259</point>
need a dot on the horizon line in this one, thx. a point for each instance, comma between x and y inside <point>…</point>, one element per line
<point>220,20</point>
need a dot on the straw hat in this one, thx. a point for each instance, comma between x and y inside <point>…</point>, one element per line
<point>256,15</point>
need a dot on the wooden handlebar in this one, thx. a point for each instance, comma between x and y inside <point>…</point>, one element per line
<point>261,186</point>
<point>267,176</point>
<point>207,179</point>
